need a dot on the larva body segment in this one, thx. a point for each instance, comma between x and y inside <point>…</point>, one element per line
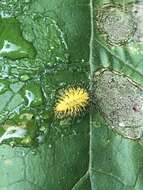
<point>71,102</point>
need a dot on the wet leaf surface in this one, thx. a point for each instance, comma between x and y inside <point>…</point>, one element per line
<point>60,34</point>
<point>80,153</point>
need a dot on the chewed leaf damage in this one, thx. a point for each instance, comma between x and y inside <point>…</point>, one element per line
<point>121,108</point>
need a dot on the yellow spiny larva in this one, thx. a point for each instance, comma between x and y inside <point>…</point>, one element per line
<point>71,102</point>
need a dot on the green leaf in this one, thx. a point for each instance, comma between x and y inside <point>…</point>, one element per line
<point>72,42</point>
<point>115,160</point>
<point>62,161</point>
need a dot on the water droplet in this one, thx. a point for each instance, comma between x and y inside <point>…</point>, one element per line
<point>30,96</point>
<point>13,45</point>
<point>50,146</point>
<point>13,132</point>
<point>40,139</point>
